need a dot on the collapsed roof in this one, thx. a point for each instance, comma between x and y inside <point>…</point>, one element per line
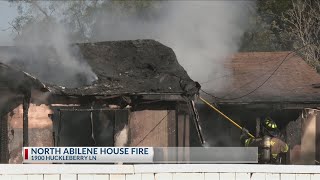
<point>122,67</point>
<point>293,82</point>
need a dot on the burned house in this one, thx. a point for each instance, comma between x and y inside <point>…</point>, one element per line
<point>141,97</point>
<point>290,96</point>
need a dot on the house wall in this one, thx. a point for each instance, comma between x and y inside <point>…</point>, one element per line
<point>40,130</point>
<point>152,128</point>
<point>302,135</point>
<point>159,172</point>
<point>308,141</point>
<point>307,154</point>
<point>302,132</point>
<point>293,138</point>
<point>160,125</point>
<point>146,128</point>
<point>159,128</point>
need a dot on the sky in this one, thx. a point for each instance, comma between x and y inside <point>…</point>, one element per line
<point>7,15</point>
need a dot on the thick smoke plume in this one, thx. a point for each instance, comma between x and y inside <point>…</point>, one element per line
<point>202,33</point>
<point>44,50</point>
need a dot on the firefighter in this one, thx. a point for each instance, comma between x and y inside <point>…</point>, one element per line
<point>271,147</point>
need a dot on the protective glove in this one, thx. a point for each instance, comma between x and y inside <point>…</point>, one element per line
<point>244,135</point>
<point>245,131</point>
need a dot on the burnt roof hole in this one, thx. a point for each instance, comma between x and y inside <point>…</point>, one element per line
<point>82,80</point>
<point>151,67</point>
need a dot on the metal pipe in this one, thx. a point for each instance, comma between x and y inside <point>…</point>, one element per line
<point>196,122</point>
<point>92,126</point>
<point>59,129</point>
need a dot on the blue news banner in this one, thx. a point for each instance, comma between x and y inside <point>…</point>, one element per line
<point>140,154</point>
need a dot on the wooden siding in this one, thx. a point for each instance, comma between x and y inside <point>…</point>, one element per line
<point>150,128</point>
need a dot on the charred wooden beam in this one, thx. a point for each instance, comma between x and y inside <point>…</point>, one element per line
<point>59,129</point>
<point>195,117</point>
<point>84,100</point>
<point>86,110</point>
<point>164,97</point>
<point>59,99</point>
<point>318,138</point>
<point>4,151</point>
<point>26,103</point>
<point>120,124</point>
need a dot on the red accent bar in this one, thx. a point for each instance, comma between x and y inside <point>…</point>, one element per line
<point>26,154</point>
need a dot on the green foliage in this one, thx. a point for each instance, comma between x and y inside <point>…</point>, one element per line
<point>267,32</point>
<point>259,37</point>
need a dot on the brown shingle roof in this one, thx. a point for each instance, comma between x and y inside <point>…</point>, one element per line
<point>292,82</point>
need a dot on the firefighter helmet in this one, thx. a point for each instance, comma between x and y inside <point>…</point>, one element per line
<point>270,127</point>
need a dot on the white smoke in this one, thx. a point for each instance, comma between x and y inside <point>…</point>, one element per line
<point>44,50</point>
<point>202,33</point>
<point>122,137</point>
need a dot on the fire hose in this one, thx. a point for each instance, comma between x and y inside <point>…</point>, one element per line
<point>225,116</point>
<point>222,114</point>
<point>266,139</point>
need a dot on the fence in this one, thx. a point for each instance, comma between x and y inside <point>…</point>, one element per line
<point>158,172</point>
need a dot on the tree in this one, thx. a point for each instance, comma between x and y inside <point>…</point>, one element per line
<point>286,25</point>
<point>303,22</point>
<point>271,12</point>
<point>266,32</point>
<point>260,37</point>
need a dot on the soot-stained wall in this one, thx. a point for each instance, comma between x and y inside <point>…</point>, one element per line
<point>218,131</point>
<point>40,130</point>
<point>86,128</point>
<point>298,127</point>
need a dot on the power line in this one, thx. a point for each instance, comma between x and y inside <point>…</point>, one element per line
<point>153,128</point>
<point>295,51</point>
<point>246,84</point>
<point>252,91</point>
<point>232,74</point>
